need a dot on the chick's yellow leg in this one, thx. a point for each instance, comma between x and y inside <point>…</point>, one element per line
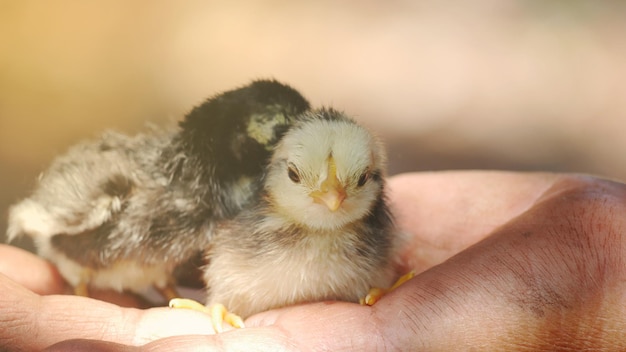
<point>82,289</point>
<point>376,293</point>
<point>219,314</point>
<point>169,291</point>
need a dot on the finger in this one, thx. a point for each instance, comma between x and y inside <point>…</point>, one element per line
<point>552,276</point>
<point>34,322</point>
<point>42,277</point>
<point>442,213</point>
<point>337,324</point>
<point>329,325</point>
<point>31,271</point>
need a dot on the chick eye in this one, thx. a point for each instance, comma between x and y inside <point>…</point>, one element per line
<point>363,179</point>
<point>292,172</point>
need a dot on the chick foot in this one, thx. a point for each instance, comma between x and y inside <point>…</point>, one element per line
<point>376,293</point>
<point>219,314</point>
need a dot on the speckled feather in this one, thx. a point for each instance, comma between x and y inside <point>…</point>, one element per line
<point>131,208</point>
<point>288,249</point>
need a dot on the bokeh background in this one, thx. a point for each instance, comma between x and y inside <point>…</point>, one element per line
<point>482,84</point>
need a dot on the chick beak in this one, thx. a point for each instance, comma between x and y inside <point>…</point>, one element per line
<point>331,192</point>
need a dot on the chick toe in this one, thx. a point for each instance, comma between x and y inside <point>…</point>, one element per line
<point>218,313</point>
<point>376,293</point>
<point>185,303</point>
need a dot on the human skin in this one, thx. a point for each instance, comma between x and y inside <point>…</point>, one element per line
<point>515,261</point>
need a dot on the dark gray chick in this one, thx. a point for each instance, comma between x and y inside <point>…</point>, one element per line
<point>123,211</point>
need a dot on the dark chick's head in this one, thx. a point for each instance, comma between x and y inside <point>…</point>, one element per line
<point>236,130</point>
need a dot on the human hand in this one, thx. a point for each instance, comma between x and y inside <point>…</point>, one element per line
<point>505,261</point>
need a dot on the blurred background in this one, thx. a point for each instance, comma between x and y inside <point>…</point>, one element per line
<point>482,84</point>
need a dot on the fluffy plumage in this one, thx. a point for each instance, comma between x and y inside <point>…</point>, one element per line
<point>123,211</point>
<point>321,230</point>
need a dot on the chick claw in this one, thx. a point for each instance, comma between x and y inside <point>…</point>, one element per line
<point>376,293</point>
<point>218,313</point>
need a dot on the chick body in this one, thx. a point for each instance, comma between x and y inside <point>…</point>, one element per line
<point>123,211</point>
<point>292,247</point>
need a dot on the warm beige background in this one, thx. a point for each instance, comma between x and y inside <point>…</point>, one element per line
<point>532,85</point>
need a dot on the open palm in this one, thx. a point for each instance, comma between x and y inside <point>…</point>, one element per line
<point>504,260</point>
